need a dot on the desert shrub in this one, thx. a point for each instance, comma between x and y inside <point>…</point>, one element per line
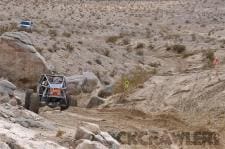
<point>8,28</point>
<point>66,34</point>
<point>80,42</point>
<point>39,49</point>
<point>185,55</point>
<point>135,78</point>
<point>52,33</point>
<point>151,47</point>
<point>126,41</point>
<point>98,61</point>
<point>54,48</point>
<point>69,47</point>
<point>112,39</point>
<point>209,57</point>
<point>176,48</point>
<point>193,37</point>
<point>140,52</point>
<point>106,52</point>
<point>59,133</point>
<point>140,45</point>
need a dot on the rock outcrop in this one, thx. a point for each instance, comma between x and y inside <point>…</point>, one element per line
<point>87,83</point>
<point>7,94</point>
<point>86,144</point>
<point>106,91</point>
<point>201,91</point>
<point>88,135</point>
<point>7,88</point>
<point>19,60</point>
<point>95,102</point>
<point>16,132</point>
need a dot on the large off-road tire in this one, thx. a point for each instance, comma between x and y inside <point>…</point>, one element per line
<point>28,94</point>
<point>68,99</point>
<point>34,103</point>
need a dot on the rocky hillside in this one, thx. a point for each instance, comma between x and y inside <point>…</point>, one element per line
<point>130,65</point>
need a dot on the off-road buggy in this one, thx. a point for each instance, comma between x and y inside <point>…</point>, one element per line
<point>51,91</point>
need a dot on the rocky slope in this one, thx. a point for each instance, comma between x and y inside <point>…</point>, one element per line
<point>164,49</point>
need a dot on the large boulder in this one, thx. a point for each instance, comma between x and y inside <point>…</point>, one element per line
<point>87,131</point>
<point>7,88</point>
<point>87,82</point>
<point>94,128</point>
<point>86,144</point>
<point>7,94</point>
<point>91,134</point>
<point>83,133</point>
<point>106,139</point>
<point>106,91</point>
<point>95,101</point>
<point>19,60</point>
<point>4,145</point>
<point>13,134</point>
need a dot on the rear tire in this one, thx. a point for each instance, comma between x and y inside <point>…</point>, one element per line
<point>28,94</point>
<point>68,99</point>
<point>34,103</point>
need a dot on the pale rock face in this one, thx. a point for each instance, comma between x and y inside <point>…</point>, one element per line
<point>19,60</point>
<point>95,102</point>
<point>91,127</point>
<point>106,91</point>
<point>86,144</point>
<point>16,132</point>
<point>83,133</point>
<point>88,134</point>
<point>109,140</point>
<point>21,137</point>
<point>7,88</point>
<point>4,145</point>
<point>87,83</point>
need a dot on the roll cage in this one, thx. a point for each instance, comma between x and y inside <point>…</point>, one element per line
<point>51,86</point>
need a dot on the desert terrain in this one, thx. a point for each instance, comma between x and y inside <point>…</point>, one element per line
<point>153,63</point>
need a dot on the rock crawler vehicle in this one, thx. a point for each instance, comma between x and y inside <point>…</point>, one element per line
<point>51,91</point>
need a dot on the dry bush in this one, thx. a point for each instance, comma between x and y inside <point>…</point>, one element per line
<point>98,61</point>
<point>208,58</point>
<point>112,39</point>
<point>140,45</point>
<point>140,52</point>
<point>8,28</point>
<point>136,78</point>
<point>69,47</point>
<point>177,48</point>
<point>106,52</point>
<point>54,48</point>
<point>66,34</point>
<point>185,55</point>
<point>126,41</point>
<point>52,33</point>
<point>39,49</point>
<point>59,133</point>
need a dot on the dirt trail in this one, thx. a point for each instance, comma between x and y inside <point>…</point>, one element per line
<point>121,120</point>
<point>118,119</point>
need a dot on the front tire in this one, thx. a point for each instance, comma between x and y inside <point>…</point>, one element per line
<point>67,104</point>
<point>34,103</point>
